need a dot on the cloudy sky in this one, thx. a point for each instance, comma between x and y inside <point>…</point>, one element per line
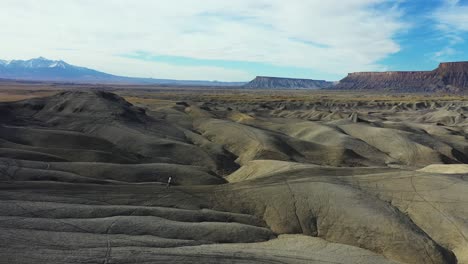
<point>236,40</point>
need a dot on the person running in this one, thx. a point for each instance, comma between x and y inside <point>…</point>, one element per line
<point>168,182</point>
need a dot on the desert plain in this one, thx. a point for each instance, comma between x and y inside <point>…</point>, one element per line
<point>286,176</point>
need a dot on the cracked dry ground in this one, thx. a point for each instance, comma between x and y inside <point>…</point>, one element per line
<point>83,178</point>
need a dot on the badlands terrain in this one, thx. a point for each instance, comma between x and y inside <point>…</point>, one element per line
<point>257,177</point>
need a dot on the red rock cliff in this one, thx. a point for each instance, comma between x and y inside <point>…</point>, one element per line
<point>454,74</point>
<point>450,76</point>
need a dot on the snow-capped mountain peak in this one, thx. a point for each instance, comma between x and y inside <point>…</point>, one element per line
<point>45,69</point>
<point>59,64</point>
<point>36,63</point>
<point>42,69</point>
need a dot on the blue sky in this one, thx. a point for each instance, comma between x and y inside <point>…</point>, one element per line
<point>237,40</point>
<point>425,43</point>
<point>256,68</point>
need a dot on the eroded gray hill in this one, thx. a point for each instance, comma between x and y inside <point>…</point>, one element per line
<point>83,180</point>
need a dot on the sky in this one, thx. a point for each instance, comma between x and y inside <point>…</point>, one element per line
<point>229,40</point>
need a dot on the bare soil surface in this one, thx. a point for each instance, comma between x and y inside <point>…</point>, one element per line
<point>256,177</point>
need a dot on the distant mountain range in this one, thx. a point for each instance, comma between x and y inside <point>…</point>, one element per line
<point>448,77</point>
<point>42,69</point>
<point>264,82</point>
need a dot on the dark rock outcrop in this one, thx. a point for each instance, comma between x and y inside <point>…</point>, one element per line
<point>448,77</point>
<point>263,82</point>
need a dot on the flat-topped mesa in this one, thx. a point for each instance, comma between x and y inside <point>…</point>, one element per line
<point>460,66</point>
<point>450,76</point>
<point>265,82</point>
<point>454,74</point>
<point>388,73</point>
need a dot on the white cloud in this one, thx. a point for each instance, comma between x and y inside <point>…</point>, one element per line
<point>452,16</point>
<point>147,69</point>
<point>332,36</point>
<point>444,54</point>
<point>452,20</point>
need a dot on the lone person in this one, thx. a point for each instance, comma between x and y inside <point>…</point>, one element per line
<point>168,182</point>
